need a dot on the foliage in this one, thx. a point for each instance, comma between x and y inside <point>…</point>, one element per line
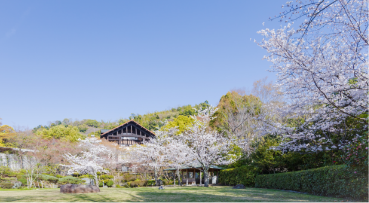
<point>322,69</point>
<point>69,180</point>
<point>231,103</point>
<point>138,183</point>
<point>241,175</point>
<point>110,183</point>
<point>6,185</point>
<point>338,181</point>
<point>6,132</point>
<point>182,123</point>
<point>48,178</point>
<point>83,128</point>
<point>127,178</point>
<point>70,133</point>
<point>268,160</point>
<point>356,154</point>
<point>105,177</point>
<point>23,181</point>
<point>92,123</point>
<point>4,170</point>
<point>151,121</point>
<point>90,159</point>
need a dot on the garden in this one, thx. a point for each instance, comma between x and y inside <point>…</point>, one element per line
<point>301,138</point>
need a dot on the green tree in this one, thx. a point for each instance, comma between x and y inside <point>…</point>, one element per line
<point>92,123</point>
<point>70,133</point>
<point>181,122</point>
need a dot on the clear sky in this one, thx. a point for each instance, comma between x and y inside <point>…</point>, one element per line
<point>107,59</point>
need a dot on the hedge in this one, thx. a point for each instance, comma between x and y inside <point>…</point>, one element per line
<point>338,181</point>
<point>70,180</point>
<point>242,175</point>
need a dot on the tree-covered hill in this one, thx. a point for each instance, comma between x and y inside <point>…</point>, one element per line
<point>151,121</point>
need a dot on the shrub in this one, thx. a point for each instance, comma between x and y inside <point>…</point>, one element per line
<point>6,185</point>
<point>338,181</point>
<point>101,183</point>
<point>4,170</point>
<point>69,180</point>
<point>129,178</point>
<point>244,175</point>
<point>356,154</point>
<point>23,181</point>
<point>110,183</point>
<point>48,178</point>
<point>138,183</point>
<point>168,182</point>
<point>59,176</point>
<point>150,182</point>
<point>105,177</point>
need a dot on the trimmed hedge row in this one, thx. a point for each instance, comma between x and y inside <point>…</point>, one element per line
<point>338,181</point>
<point>242,175</point>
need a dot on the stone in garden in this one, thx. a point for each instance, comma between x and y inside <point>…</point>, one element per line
<point>74,188</point>
<point>239,186</point>
<point>161,188</point>
<point>17,184</point>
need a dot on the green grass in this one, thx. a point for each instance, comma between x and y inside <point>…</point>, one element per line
<point>175,194</point>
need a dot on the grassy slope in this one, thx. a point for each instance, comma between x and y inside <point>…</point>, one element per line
<point>178,194</point>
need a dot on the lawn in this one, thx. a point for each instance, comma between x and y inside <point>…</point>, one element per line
<point>176,194</point>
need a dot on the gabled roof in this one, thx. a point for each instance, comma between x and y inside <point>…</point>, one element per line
<point>125,124</point>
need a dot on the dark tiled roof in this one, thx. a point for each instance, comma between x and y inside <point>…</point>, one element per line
<point>124,124</point>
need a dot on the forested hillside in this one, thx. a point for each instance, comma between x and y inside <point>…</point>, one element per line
<point>151,121</point>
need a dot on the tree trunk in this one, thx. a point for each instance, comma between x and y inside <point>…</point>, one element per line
<point>156,176</point>
<point>179,178</point>
<point>96,180</point>
<point>206,176</point>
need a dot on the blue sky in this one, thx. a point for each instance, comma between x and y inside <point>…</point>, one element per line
<point>107,59</point>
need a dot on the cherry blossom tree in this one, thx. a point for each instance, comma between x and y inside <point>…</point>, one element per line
<point>151,153</point>
<point>322,69</point>
<point>207,146</point>
<point>91,159</point>
<point>177,154</point>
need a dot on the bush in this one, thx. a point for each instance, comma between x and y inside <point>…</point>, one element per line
<point>150,182</point>
<point>69,180</point>
<point>338,181</point>
<point>244,175</point>
<point>4,170</point>
<point>48,178</point>
<point>59,176</point>
<point>6,185</point>
<point>23,181</point>
<point>168,182</point>
<point>110,183</point>
<point>138,183</point>
<point>129,178</point>
<point>106,177</point>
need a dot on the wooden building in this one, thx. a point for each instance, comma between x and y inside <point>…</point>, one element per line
<point>127,134</point>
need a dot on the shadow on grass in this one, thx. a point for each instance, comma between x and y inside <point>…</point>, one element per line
<point>226,194</point>
<point>177,194</point>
